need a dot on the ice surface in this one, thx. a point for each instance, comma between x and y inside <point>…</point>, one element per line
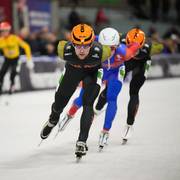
<point>153,152</point>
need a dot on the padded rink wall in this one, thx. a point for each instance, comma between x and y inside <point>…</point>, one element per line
<point>48,70</point>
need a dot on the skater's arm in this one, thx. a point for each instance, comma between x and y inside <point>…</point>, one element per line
<point>127,52</point>
<point>106,53</point>
<point>60,49</point>
<point>149,49</point>
<point>2,44</point>
<point>143,52</point>
<point>26,47</point>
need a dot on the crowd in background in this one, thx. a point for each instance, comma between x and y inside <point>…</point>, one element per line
<point>42,42</point>
<point>155,10</point>
<point>45,42</point>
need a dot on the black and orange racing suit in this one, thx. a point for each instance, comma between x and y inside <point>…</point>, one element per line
<point>77,70</point>
<point>10,47</point>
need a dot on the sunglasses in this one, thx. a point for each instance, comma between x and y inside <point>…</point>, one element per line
<point>82,46</point>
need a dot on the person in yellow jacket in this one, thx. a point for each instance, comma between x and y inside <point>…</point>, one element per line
<point>10,46</point>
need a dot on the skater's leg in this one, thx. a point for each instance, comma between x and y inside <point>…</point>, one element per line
<point>62,96</point>
<point>13,74</point>
<point>77,103</point>
<point>114,87</point>
<point>3,71</point>
<point>65,119</point>
<point>135,85</point>
<point>102,100</point>
<point>91,90</point>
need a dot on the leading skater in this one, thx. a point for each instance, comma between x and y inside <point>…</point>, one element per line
<point>83,58</point>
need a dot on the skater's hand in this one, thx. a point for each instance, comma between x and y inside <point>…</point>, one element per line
<point>30,65</point>
<point>100,76</point>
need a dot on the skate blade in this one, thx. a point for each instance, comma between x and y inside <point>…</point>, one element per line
<point>124,141</point>
<point>58,131</point>
<point>40,143</point>
<point>56,135</point>
<point>78,158</point>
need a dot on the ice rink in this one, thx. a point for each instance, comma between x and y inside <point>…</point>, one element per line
<point>153,152</point>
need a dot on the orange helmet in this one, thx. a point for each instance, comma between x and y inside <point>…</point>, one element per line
<point>5,26</point>
<point>82,34</point>
<point>135,35</point>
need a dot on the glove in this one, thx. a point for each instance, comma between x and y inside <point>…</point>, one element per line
<point>99,76</point>
<point>121,50</point>
<point>30,64</point>
<point>121,73</point>
<point>147,66</point>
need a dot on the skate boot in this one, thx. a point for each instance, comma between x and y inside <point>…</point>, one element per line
<point>47,128</point>
<point>127,133</point>
<point>11,89</point>
<point>104,135</point>
<point>51,123</point>
<point>98,112</point>
<point>81,149</point>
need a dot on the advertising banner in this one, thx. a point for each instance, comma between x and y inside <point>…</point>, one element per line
<point>39,14</point>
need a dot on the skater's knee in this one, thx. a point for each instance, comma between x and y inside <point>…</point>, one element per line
<point>114,88</point>
<point>134,98</point>
<point>61,100</point>
<point>90,94</point>
<point>132,108</point>
<point>136,84</point>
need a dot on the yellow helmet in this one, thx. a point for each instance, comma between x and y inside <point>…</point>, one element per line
<point>135,35</point>
<point>82,34</point>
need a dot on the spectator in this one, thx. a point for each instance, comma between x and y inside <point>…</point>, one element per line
<point>34,43</point>
<point>73,19</point>
<point>172,30</point>
<point>51,45</point>
<point>138,8</point>
<point>101,20</point>
<point>170,47</point>
<point>154,35</point>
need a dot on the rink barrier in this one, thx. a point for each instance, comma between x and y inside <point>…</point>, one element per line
<point>47,71</point>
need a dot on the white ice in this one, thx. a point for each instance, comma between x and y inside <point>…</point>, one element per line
<point>153,152</point>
